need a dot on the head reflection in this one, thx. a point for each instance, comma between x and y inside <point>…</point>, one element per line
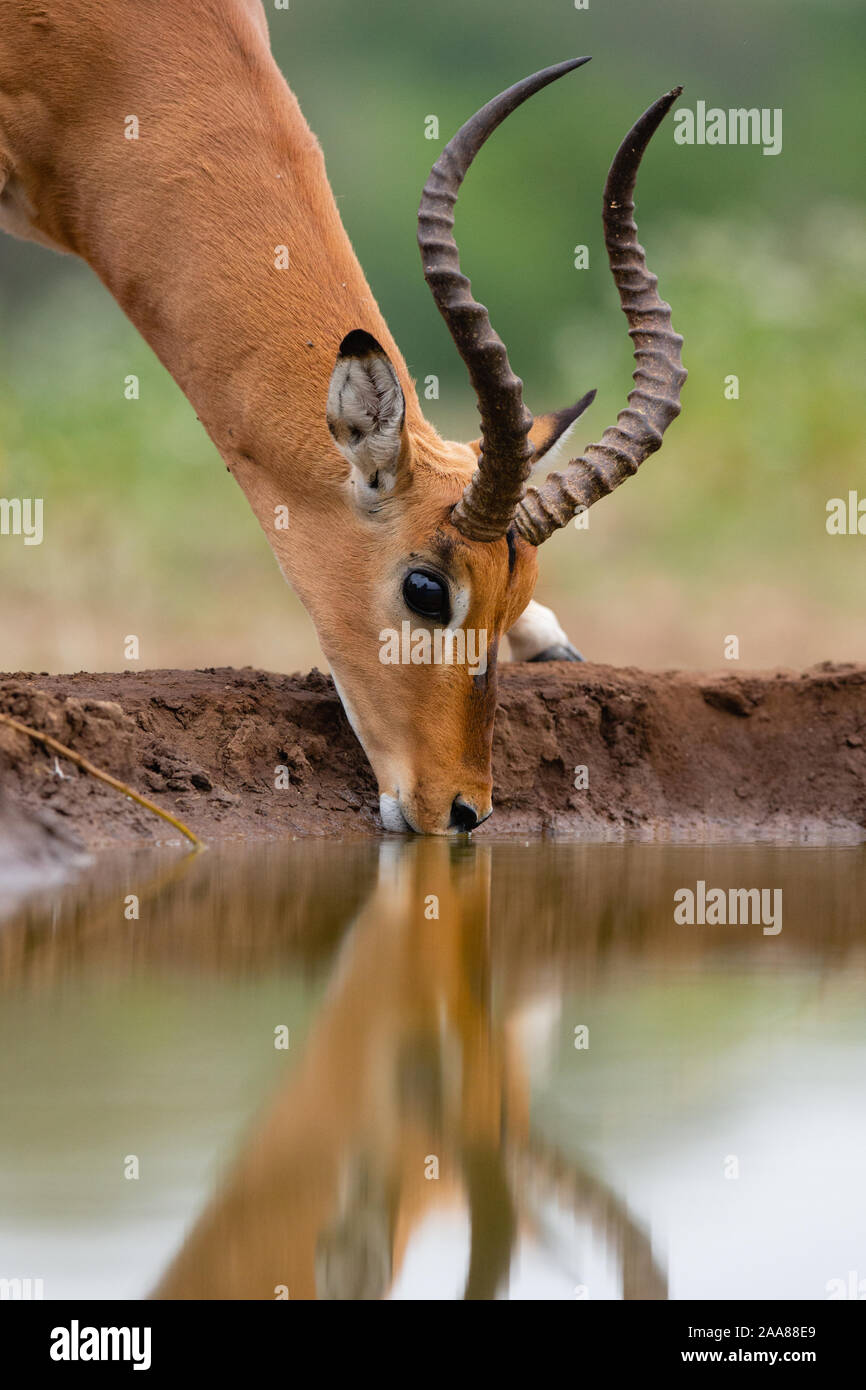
<point>408,1112</point>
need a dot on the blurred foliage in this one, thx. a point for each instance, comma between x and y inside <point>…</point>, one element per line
<point>761,257</point>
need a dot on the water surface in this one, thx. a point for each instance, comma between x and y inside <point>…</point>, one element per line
<point>510,1072</point>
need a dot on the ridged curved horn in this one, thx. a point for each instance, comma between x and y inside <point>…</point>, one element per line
<point>486,509</point>
<point>655,399</point>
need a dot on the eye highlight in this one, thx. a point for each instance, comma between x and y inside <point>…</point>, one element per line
<point>426,595</point>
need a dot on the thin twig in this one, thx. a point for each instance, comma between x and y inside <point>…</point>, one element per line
<point>106,777</point>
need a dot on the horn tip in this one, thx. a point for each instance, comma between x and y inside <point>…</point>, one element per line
<point>557,70</point>
<point>661,107</point>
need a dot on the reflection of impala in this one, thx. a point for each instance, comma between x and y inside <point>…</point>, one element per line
<point>217,232</point>
<point>410,1101</point>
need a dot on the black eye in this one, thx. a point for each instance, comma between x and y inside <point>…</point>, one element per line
<point>426,595</point>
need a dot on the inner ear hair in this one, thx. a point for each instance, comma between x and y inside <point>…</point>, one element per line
<point>366,411</point>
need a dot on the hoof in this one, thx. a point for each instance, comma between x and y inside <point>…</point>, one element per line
<point>562,653</point>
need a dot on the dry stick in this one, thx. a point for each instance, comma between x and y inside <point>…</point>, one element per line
<point>102,776</point>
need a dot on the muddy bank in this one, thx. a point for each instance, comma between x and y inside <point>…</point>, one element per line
<point>685,755</point>
<point>37,849</point>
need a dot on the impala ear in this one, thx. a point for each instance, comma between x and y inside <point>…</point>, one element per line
<point>549,429</point>
<point>366,416</point>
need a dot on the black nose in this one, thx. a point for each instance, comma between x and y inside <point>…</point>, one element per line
<point>463,816</point>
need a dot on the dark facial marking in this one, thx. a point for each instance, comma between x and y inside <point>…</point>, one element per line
<point>445,546</point>
<point>488,677</point>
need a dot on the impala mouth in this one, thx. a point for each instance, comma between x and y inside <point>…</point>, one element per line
<point>392,815</point>
<point>394,818</point>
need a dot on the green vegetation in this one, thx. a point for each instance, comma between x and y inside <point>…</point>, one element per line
<point>761,257</point>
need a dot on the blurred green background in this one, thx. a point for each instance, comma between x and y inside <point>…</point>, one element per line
<point>761,257</point>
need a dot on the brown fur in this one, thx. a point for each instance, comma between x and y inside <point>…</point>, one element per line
<point>182,226</point>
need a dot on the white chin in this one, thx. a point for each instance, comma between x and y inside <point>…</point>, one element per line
<point>392,816</point>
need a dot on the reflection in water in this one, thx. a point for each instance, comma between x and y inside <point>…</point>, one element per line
<point>438,1126</point>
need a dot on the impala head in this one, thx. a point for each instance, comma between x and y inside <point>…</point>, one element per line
<point>445,558</point>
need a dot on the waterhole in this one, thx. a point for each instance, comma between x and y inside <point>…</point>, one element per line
<point>415,1069</point>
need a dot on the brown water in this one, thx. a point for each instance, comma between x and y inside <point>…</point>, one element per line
<point>432,1129</point>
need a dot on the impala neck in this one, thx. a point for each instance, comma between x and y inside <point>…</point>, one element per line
<point>183,225</point>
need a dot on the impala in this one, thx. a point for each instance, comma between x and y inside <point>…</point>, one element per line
<point>291,367</point>
<point>409,1062</point>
